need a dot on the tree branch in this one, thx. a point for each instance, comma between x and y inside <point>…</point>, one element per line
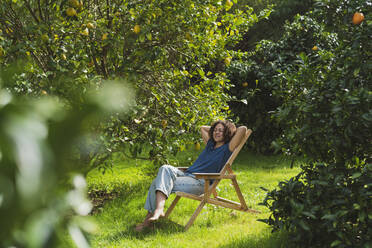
<point>131,157</point>
<point>31,11</point>
<point>99,9</point>
<point>40,13</point>
<point>94,58</point>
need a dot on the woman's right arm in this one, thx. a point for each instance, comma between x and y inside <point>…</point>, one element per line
<point>205,133</point>
<point>237,138</point>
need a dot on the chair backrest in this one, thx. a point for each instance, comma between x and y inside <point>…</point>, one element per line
<point>236,151</point>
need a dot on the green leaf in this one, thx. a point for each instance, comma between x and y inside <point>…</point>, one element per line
<point>329,217</point>
<point>320,182</point>
<point>367,116</point>
<point>149,36</point>
<point>336,243</point>
<point>309,214</point>
<point>304,225</point>
<point>356,175</point>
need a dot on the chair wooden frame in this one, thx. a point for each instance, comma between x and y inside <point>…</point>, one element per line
<point>225,173</point>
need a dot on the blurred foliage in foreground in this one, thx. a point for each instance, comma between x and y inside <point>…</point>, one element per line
<point>42,191</point>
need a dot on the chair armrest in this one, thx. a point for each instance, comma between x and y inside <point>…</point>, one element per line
<point>213,176</point>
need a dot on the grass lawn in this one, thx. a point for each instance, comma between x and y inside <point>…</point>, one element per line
<point>214,227</point>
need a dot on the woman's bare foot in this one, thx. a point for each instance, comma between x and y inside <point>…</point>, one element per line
<point>160,201</point>
<point>157,215</point>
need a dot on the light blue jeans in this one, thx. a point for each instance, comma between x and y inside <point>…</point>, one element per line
<point>170,180</point>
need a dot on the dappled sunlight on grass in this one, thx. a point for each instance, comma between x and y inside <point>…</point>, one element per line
<point>214,227</point>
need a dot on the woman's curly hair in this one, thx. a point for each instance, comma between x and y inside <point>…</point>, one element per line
<point>229,129</point>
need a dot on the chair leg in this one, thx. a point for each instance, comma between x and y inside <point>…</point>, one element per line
<point>239,193</point>
<point>195,214</point>
<point>171,207</point>
<point>215,193</point>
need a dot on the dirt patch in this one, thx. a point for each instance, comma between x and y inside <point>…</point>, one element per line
<point>99,198</point>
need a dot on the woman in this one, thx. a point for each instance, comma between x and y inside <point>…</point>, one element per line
<point>221,139</point>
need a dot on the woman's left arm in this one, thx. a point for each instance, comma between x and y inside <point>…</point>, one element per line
<point>205,133</point>
<point>237,138</point>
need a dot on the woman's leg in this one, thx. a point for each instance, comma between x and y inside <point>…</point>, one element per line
<point>159,211</point>
<point>160,202</point>
<point>182,183</point>
<point>189,184</point>
<point>164,183</point>
<point>158,192</point>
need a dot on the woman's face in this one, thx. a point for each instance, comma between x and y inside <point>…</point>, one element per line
<point>218,133</point>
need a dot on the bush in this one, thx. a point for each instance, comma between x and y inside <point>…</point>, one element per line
<point>272,27</point>
<point>325,206</point>
<point>326,112</point>
<point>258,86</point>
<point>326,116</point>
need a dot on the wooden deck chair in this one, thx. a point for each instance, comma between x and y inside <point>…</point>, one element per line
<point>225,173</point>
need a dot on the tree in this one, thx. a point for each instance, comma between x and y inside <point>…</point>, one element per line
<point>258,87</point>
<point>326,117</point>
<point>173,52</point>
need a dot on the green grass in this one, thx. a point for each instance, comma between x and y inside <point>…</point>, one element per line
<point>214,227</point>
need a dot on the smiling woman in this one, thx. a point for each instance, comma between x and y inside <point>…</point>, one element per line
<point>221,131</point>
<point>221,138</point>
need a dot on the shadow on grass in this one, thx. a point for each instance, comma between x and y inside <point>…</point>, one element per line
<point>168,226</point>
<point>127,210</point>
<point>272,240</point>
<point>163,226</point>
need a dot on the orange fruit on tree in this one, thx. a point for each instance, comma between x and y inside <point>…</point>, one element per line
<point>104,36</point>
<point>74,3</point>
<point>229,4</point>
<point>90,25</point>
<point>227,60</point>
<point>45,38</point>
<point>358,18</point>
<point>314,48</point>
<point>164,123</point>
<point>245,84</point>
<point>71,12</point>
<point>197,146</point>
<point>137,28</point>
<point>188,36</point>
<point>85,32</point>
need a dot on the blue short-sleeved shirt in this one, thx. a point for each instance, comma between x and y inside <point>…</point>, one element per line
<point>211,160</point>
